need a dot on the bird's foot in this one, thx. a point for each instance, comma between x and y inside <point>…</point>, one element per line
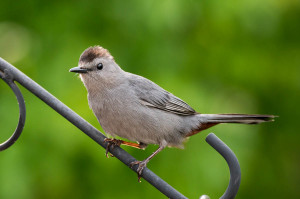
<point>141,167</point>
<point>111,142</point>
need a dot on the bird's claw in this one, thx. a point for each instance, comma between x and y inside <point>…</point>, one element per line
<point>111,142</point>
<point>141,167</point>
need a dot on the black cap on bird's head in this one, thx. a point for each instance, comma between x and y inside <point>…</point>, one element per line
<point>89,55</point>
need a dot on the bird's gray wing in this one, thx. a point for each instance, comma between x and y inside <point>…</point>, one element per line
<point>154,96</point>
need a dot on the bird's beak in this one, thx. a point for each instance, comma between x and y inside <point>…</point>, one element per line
<point>78,69</point>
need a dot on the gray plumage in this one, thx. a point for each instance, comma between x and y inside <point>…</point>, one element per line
<point>133,107</point>
<point>139,110</point>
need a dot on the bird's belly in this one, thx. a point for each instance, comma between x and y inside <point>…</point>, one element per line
<point>140,123</point>
<point>131,125</point>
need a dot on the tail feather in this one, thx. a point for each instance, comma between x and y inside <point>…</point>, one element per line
<point>237,118</point>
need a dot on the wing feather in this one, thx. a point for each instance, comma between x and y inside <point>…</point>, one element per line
<point>154,96</point>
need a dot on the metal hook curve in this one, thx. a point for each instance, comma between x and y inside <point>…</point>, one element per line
<point>233,163</point>
<point>10,74</point>
<point>8,78</point>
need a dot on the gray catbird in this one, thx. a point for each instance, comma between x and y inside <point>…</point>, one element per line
<point>135,108</point>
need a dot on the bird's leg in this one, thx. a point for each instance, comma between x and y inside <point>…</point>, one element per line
<point>143,164</point>
<point>134,145</point>
<point>112,142</point>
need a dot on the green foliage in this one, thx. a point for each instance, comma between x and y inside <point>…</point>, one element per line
<point>219,56</point>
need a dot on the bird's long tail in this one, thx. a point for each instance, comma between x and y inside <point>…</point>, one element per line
<point>209,120</point>
<point>236,118</point>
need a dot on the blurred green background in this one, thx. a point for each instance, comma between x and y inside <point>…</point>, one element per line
<point>218,56</point>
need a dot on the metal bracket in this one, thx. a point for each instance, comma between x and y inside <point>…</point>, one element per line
<point>10,74</point>
<point>8,78</point>
<point>233,163</point>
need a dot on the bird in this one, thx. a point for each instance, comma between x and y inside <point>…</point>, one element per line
<point>135,108</point>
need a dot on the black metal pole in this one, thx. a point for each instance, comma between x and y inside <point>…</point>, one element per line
<point>85,127</point>
<point>10,74</point>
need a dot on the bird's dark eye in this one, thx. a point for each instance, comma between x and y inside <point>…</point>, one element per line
<point>99,66</point>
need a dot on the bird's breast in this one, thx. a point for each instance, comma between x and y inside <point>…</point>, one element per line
<point>124,116</point>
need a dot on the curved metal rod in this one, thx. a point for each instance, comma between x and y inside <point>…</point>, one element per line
<point>13,74</point>
<point>233,163</point>
<point>86,128</point>
<point>8,78</point>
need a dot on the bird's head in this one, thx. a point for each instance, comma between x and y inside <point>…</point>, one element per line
<point>96,66</point>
